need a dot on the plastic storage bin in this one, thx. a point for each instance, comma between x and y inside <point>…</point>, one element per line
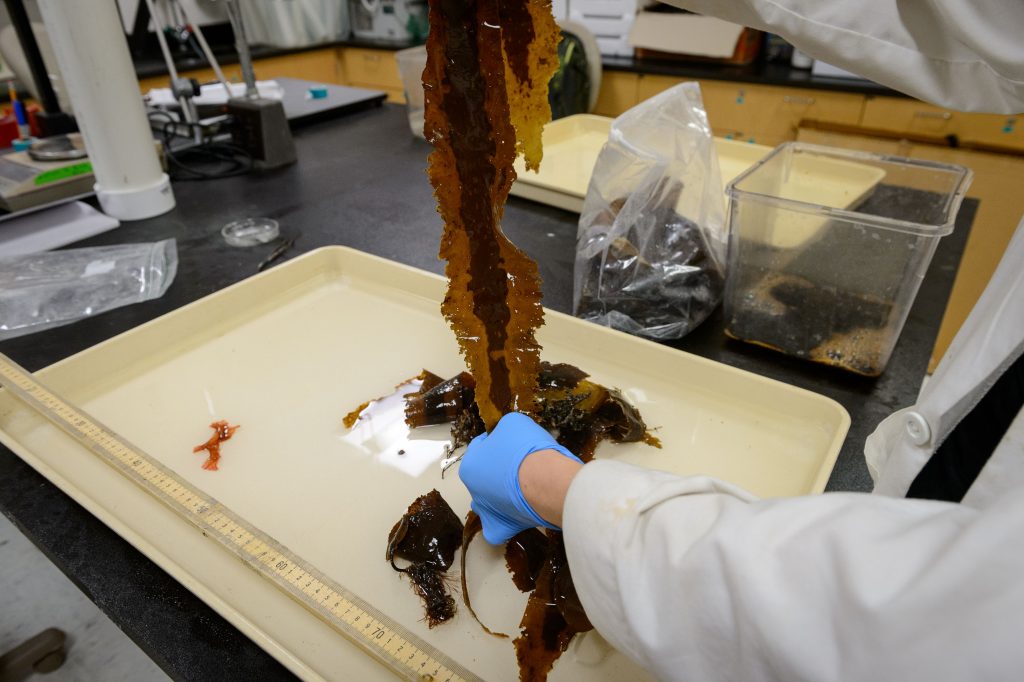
<point>411,63</point>
<point>826,269</point>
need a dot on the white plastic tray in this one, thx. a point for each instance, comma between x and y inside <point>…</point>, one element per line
<point>571,147</point>
<point>286,354</point>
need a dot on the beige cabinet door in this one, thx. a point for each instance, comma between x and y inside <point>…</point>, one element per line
<point>734,109</point>
<point>316,65</point>
<point>618,93</point>
<point>374,69</point>
<point>320,66</point>
<point>912,117</point>
<point>763,114</point>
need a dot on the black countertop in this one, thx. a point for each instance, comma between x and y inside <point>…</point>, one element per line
<point>360,182</point>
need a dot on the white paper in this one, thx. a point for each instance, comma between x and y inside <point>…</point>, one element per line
<point>52,228</point>
<point>213,93</point>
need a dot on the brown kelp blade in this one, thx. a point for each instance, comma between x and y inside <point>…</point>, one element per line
<point>530,41</point>
<point>553,615</point>
<point>473,526</point>
<point>493,298</point>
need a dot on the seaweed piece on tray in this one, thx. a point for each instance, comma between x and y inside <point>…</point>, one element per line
<point>469,531</point>
<point>427,536</point>
<point>583,412</point>
<point>222,431</point>
<point>524,557</point>
<point>441,402</point>
<point>428,380</point>
<point>554,615</point>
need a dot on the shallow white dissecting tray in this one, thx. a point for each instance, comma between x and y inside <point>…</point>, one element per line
<point>286,354</point>
<point>571,147</point>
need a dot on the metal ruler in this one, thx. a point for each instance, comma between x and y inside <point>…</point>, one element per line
<point>390,643</point>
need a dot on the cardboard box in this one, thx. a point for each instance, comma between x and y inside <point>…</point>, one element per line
<point>684,36</point>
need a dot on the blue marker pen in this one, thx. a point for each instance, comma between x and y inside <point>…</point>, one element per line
<point>24,132</point>
<point>19,113</point>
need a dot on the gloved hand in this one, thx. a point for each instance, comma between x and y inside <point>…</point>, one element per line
<point>490,469</point>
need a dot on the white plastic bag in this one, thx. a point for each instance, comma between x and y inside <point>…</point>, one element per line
<point>651,245</point>
<point>43,290</point>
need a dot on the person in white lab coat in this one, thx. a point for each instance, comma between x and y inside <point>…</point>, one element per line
<point>924,579</point>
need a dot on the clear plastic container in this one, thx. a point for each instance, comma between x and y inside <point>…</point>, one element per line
<point>828,247</point>
<point>251,231</point>
<point>411,63</point>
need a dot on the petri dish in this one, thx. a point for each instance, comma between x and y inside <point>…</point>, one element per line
<point>250,231</point>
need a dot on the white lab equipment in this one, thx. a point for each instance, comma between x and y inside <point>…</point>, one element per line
<point>609,20</point>
<point>92,53</point>
<point>295,23</point>
<point>389,20</point>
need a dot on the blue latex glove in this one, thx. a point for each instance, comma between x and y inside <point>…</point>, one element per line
<point>490,469</point>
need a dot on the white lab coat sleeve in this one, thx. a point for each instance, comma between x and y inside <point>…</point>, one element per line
<point>696,580</point>
<point>962,54</point>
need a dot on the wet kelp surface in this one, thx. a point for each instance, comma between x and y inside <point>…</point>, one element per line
<point>427,536</point>
<point>478,52</point>
<point>583,413</point>
<point>554,614</point>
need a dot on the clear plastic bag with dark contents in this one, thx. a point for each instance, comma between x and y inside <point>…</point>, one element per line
<point>650,250</point>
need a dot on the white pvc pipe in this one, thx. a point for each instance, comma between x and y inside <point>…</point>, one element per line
<point>92,52</point>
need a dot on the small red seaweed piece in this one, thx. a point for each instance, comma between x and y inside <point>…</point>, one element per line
<point>221,432</point>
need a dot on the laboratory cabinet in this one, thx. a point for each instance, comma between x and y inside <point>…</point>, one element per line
<point>761,114</point>
<point>375,69</point>
<point>912,117</point>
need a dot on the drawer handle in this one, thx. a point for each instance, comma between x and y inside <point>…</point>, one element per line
<point>371,57</point>
<point>798,99</point>
<point>941,115</point>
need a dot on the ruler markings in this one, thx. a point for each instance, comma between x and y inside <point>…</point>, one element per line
<point>357,620</point>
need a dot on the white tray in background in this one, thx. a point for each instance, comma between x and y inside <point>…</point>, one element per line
<point>286,354</point>
<point>572,145</point>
